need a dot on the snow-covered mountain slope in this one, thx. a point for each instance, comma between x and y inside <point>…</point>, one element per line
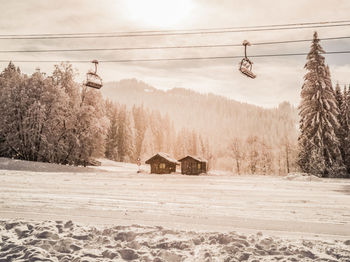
<point>123,196</point>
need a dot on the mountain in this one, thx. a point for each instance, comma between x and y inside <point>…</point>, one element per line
<point>215,116</point>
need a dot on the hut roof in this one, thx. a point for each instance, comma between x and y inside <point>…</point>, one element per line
<point>165,156</point>
<point>197,158</point>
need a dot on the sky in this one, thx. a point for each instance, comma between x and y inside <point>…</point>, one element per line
<point>278,79</point>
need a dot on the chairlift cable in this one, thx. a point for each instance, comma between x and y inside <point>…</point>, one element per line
<point>167,47</point>
<point>168,34</point>
<point>173,59</point>
<point>182,30</point>
<point>179,30</point>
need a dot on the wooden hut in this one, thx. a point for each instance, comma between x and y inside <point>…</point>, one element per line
<point>193,165</point>
<point>162,163</point>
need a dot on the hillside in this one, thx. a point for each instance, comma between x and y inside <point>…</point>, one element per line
<point>217,117</point>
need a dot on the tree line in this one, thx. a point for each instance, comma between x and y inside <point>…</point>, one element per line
<point>54,119</point>
<point>49,118</point>
<point>140,132</point>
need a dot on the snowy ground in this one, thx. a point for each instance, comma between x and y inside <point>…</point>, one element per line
<point>289,211</point>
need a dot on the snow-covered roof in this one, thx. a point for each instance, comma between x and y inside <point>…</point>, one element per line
<point>197,158</point>
<point>165,156</point>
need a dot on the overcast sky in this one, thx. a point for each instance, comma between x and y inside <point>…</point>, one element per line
<point>278,79</point>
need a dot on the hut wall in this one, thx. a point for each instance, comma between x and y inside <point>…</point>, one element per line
<point>161,166</point>
<point>191,166</point>
<point>204,168</point>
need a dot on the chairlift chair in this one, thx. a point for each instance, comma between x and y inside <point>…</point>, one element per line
<point>93,79</point>
<point>246,65</point>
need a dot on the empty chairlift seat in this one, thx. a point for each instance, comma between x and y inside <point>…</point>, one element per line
<point>246,66</point>
<point>93,79</point>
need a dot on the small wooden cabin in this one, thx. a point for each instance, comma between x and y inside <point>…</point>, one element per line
<point>162,163</point>
<point>193,165</point>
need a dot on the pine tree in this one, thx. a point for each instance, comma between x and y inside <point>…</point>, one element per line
<point>341,131</point>
<point>252,147</point>
<point>111,139</point>
<point>157,130</point>
<point>338,95</point>
<point>168,130</point>
<point>193,143</point>
<point>345,124</point>
<point>11,97</point>
<point>148,146</point>
<point>68,142</point>
<point>237,153</point>
<point>318,111</point>
<point>266,158</point>
<point>140,123</point>
<point>181,149</point>
<point>125,138</point>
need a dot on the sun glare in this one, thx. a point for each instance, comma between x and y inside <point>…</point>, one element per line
<point>159,13</point>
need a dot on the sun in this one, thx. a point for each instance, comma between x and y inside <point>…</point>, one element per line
<point>159,13</point>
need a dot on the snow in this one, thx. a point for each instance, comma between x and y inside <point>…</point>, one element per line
<point>198,158</point>
<point>302,177</point>
<point>110,165</point>
<point>165,156</point>
<point>68,241</point>
<point>13,164</point>
<point>283,218</point>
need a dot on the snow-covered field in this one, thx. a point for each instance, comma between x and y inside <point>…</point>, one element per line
<point>121,214</point>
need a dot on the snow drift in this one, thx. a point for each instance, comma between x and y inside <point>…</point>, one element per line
<point>66,241</point>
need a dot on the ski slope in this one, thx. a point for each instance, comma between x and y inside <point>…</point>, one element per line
<point>115,194</point>
<point>123,215</point>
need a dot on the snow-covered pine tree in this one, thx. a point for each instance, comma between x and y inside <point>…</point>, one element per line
<point>338,95</point>
<point>237,153</point>
<point>92,125</point>
<point>157,130</point>
<point>194,143</point>
<point>11,83</point>
<point>318,111</point>
<point>125,136</point>
<point>180,147</point>
<point>253,157</point>
<point>140,124</point>
<point>111,138</point>
<point>342,130</point>
<point>345,124</point>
